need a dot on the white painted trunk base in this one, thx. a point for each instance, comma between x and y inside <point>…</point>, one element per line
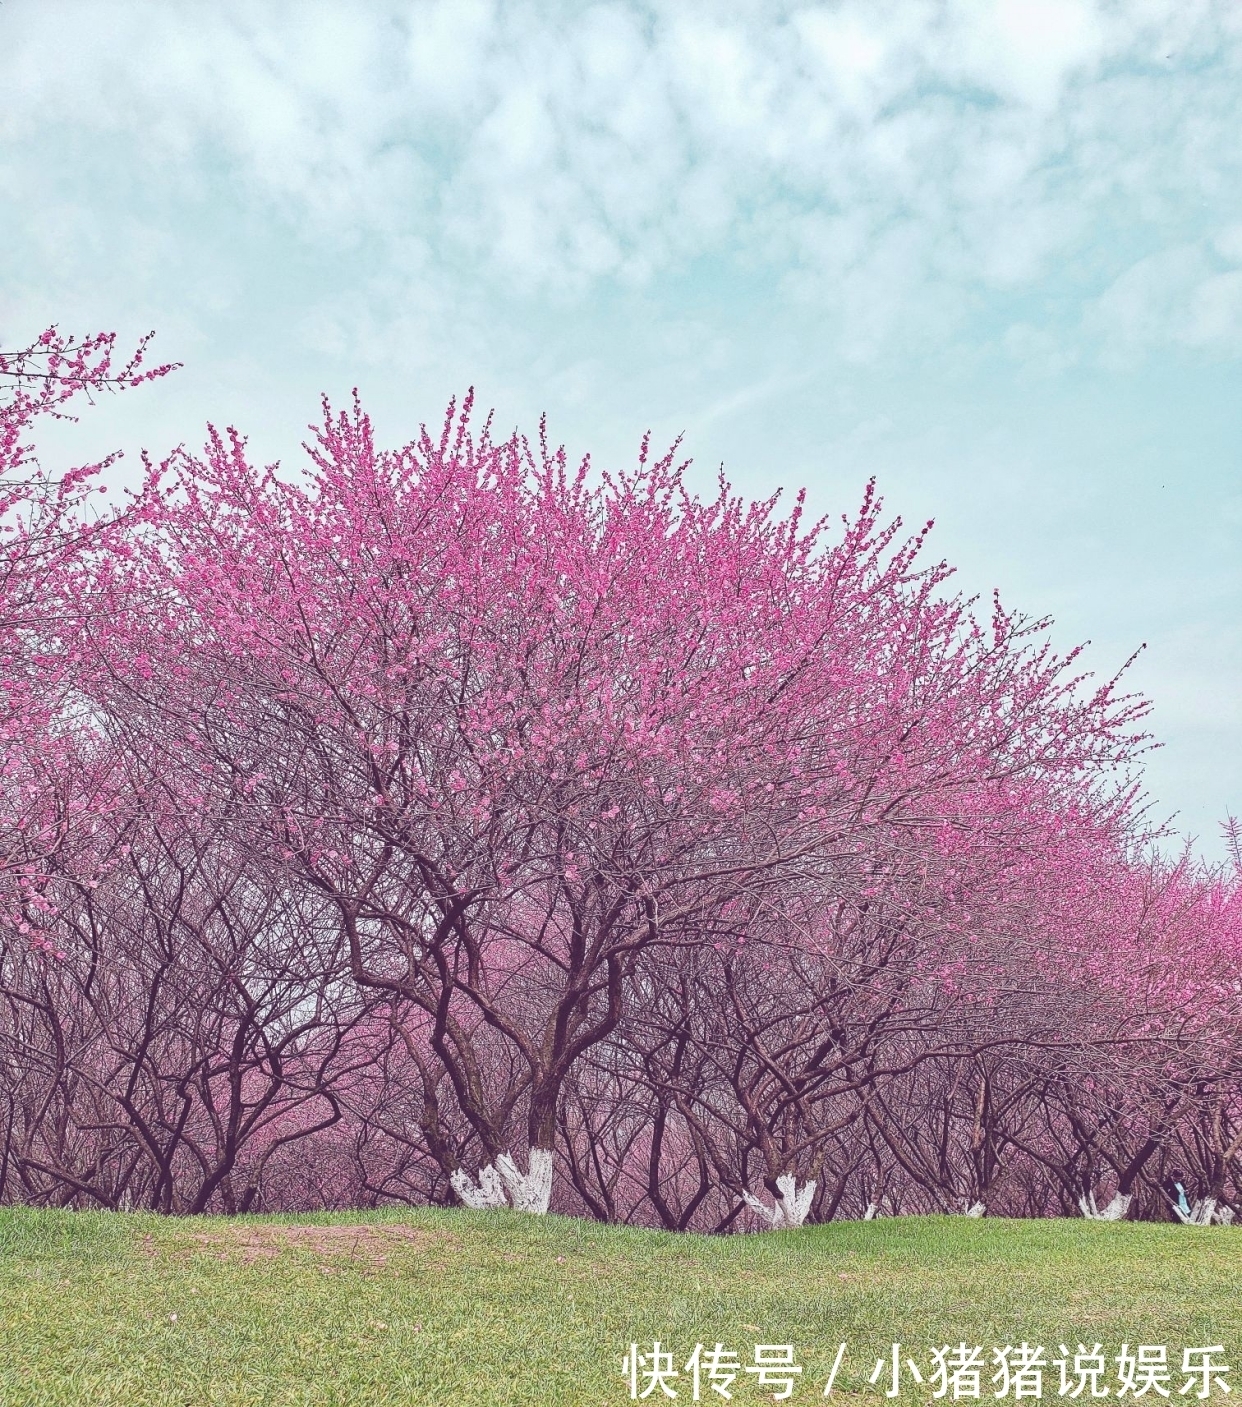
<point>503,1184</point>
<point>791,1206</point>
<point>1115,1210</point>
<point>1203,1213</point>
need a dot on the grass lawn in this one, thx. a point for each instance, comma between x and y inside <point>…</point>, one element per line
<point>470,1308</point>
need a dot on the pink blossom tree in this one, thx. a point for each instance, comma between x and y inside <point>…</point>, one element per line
<point>48,786</point>
<point>519,728</point>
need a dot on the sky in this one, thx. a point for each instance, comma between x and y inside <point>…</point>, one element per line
<point>988,251</point>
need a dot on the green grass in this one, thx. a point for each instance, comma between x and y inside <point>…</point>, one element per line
<point>471,1308</point>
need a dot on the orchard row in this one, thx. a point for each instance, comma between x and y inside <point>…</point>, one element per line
<point>452,824</point>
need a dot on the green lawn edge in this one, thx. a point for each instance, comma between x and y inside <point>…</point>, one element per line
<point>436,1306</point>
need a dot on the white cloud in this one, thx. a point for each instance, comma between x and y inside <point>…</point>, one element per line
<point>1214,315</point>
<point>1178,296</point>
<point>1028,50</point>
<point>886,158</point>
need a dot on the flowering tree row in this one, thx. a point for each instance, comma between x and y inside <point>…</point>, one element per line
<point>450,824</point>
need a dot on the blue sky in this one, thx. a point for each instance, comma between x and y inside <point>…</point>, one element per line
<point>990,252</point>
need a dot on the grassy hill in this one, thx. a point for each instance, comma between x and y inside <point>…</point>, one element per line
<point>468,1308</point>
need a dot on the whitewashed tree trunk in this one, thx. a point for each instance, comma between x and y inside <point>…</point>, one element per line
<point>1204,1212</point>
<point>873,1211</point>
<point>529,1191</point>
<point>489,1192</point>
<point>1200,1214</point>
<point>1114,1211</point>
<point>791,1206</point>
<point>503,1184</point>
